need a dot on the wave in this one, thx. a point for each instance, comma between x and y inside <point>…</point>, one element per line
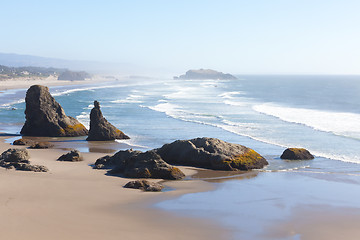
<point>132,98</point>
<point>60,93</point>
<point>339,123</point>
<point>241,129</point>
<point>229,95</point>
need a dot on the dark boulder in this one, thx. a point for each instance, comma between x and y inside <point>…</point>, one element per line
<point>211,153</point>
<point>15,156</point>
<point>145,186</point>
<point>41,145</point>
<point>73,156</point>
<point>45,117</point>
<point>136,164</point>
<point>19,159</point>
<point>118,159</point>
<point>296,154</point>
<point>101,129</point>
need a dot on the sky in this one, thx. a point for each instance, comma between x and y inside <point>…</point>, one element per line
<point>236,36</point>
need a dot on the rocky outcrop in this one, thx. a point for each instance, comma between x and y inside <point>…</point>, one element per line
<point>136,164</point>
<point>211,153</point>
<point>101,129</point>
<point>145,186</point>
<point>296,154</point>
<point>19,159</point>
<point>45,117</point>
<point>73,156</point>
<point>206,74</point>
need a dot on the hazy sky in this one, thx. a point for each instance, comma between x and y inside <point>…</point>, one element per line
<point>240,36</point>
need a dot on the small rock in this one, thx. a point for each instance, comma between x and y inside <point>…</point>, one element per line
<point>145,185</point>
<point>22,142</point>
<point>41,145</point>
<point>73,156</point>
<point>296,154</point>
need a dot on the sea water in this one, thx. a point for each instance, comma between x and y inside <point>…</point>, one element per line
<point>266,113</point>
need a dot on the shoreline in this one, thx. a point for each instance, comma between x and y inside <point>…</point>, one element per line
<point>84,199</point>
<point>15,83</point>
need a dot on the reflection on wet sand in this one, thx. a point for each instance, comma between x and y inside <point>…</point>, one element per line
<point>222,176</point>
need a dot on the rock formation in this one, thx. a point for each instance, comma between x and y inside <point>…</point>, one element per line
<point>73,156</point>
<point>19,159</point>
<point>296,154</point>
<point>136,164</point>
<point>45,116</point>
<point>211,153</point>
<point>144,185</point>
<point>101,129</point>
<point>206,74</point>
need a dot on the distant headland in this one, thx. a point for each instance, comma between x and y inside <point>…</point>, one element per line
<point>9,73</point>
<point>206,74</point>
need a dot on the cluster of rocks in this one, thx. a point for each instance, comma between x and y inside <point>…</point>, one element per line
<point>19,159</point>
<point>208,153</point>
<point>45,117</point>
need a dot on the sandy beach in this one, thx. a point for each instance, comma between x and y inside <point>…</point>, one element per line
<point>21,83</point>
<point>74,201</point>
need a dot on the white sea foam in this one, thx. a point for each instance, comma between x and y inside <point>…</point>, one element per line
<point>339,123</point>
<point>132,98</point>
<point>234,103</point>
<point>229,95</point>
<point>84,119</point>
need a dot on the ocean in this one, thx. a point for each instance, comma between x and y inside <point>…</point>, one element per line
<point>266,113</point>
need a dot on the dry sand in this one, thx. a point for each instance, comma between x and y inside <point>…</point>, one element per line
<point>21,83</point>
<point>74,201</point>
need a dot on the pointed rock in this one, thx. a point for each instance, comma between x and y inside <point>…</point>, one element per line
<point>101,129</point>
<point>45,117</point>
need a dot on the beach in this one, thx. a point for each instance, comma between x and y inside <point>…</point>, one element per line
<point>314,199</point>
<point>74,201</point>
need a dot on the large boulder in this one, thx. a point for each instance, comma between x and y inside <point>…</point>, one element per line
<point>211,153</point>
<point>19,159</point>
<point>45,117</point>
<point>296,154</point>
<point>100,128</point>
<point>136,164</point>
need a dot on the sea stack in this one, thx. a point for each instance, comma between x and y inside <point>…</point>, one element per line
<point>101,129</point>
<point>45,117</point>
